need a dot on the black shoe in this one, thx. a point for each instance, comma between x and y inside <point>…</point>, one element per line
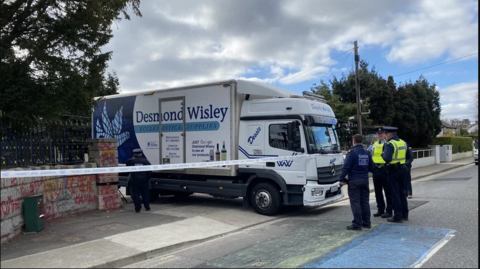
<point>386,215</point>
<point>378,214</point>
<point>353,227</point>
<point>147,209</point>
<point>367,226</point>
<point>394,220</point>
<point>137,211</point>
<point>405,219</point>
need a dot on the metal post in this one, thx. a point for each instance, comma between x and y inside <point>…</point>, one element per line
<point>357,87</point>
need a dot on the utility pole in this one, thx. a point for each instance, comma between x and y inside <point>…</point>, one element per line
<point>357,87</point>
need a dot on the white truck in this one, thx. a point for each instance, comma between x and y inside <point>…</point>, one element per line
<point>229,120</point>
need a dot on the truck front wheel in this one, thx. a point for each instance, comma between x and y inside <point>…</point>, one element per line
<point>154,194</point>
<point>266,199</point>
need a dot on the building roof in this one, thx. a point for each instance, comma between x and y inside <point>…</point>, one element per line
<point>447,125</point>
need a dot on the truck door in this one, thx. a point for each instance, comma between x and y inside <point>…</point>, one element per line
<point>281,142</point>
<point>172,130</point>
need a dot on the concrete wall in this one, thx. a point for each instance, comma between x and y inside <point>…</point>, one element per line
<point>421,162</point>
<point>63,195</point>
<point>462,155</point>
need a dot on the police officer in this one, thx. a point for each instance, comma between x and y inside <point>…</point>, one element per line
<point>395,154</point>
<point>408,182</point>
<point>358,163</point>
<point>380,177</point>
<point>140,181</point>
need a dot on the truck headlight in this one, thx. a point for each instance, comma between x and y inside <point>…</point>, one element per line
<point>317,192</point>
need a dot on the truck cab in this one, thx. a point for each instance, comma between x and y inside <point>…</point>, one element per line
<point>294,126</point>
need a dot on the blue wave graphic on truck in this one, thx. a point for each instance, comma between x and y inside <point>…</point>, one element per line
<point>283,163</point>
<point>107,128</point>
<point>286,163</point>
<point>113,118</point>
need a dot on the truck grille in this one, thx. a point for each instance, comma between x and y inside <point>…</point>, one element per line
<point>325,174</point>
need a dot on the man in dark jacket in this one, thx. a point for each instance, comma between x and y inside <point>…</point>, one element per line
<point>358,163</point>
<point>140,181</point>
<point>408,181</point>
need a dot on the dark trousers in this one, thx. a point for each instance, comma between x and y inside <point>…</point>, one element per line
<point>408,183</point>
<point>399,198</point>
<point>380,185</point>
<point>141,189</point>
<point>359,192</point>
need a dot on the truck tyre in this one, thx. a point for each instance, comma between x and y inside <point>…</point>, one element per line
<point>183,194</point>
<point>265,199</point>
<point>154,196</point>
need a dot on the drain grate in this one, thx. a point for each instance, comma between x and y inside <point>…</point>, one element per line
<point>452,179</point>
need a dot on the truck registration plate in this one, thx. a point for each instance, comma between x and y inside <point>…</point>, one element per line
<point>334,189</point>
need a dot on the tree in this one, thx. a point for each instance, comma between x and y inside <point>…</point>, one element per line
<point>342,110</point>
<point>111,85</point>
<point>412,107</point>
<point>50,55</point>
<point>463,131</point>
<point>417,112</point>
<point>448,133</point>
<point>376,93</point>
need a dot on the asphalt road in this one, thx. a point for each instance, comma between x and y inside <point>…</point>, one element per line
<point>442,233</point>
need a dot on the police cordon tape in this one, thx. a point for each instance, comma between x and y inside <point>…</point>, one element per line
<point>159,167</point>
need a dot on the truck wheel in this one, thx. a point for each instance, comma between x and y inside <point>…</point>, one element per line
<point>266,199</point>
<point>183,194</point>
<point>154,196</point>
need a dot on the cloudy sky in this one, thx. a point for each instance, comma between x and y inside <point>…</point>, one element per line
<point>294,44</point>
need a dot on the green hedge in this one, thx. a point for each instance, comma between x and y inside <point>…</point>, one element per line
<point>459,144</point>
<point>472,136</point>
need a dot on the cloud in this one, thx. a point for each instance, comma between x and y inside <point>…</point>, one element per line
<point>285,42</point>
<point>457,101</point>
<point>434,28</point>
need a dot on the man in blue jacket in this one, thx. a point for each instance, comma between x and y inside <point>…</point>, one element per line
<point>358,163</point>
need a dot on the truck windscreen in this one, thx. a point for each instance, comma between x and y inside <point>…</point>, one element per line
<point>322,138</point>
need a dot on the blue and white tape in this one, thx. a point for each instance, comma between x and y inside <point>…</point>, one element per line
<point>126,169</point>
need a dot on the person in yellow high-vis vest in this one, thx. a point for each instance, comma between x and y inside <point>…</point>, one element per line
<point>380,183</point>
<point>395,154</point>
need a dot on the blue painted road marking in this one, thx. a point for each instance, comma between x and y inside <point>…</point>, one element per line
<point>388,246</point>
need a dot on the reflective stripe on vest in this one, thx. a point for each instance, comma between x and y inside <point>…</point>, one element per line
<point>377,153</point>
<point>399,151</point>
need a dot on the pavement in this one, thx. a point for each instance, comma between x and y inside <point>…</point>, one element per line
<point>442,232</point>
<point>122,237</point>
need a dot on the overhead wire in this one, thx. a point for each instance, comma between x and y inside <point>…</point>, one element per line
<point>436,64</point>
<point>340,66</point>
<point>299,73</point>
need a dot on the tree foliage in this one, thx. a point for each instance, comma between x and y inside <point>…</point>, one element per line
<point>413,107</point>
<point>51,60</point>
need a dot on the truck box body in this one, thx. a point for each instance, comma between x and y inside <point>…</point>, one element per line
<point>228,120</point>
<point>210,117</point>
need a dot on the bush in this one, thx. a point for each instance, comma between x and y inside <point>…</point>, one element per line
<point>459,144</point>
<point>472,136</point>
